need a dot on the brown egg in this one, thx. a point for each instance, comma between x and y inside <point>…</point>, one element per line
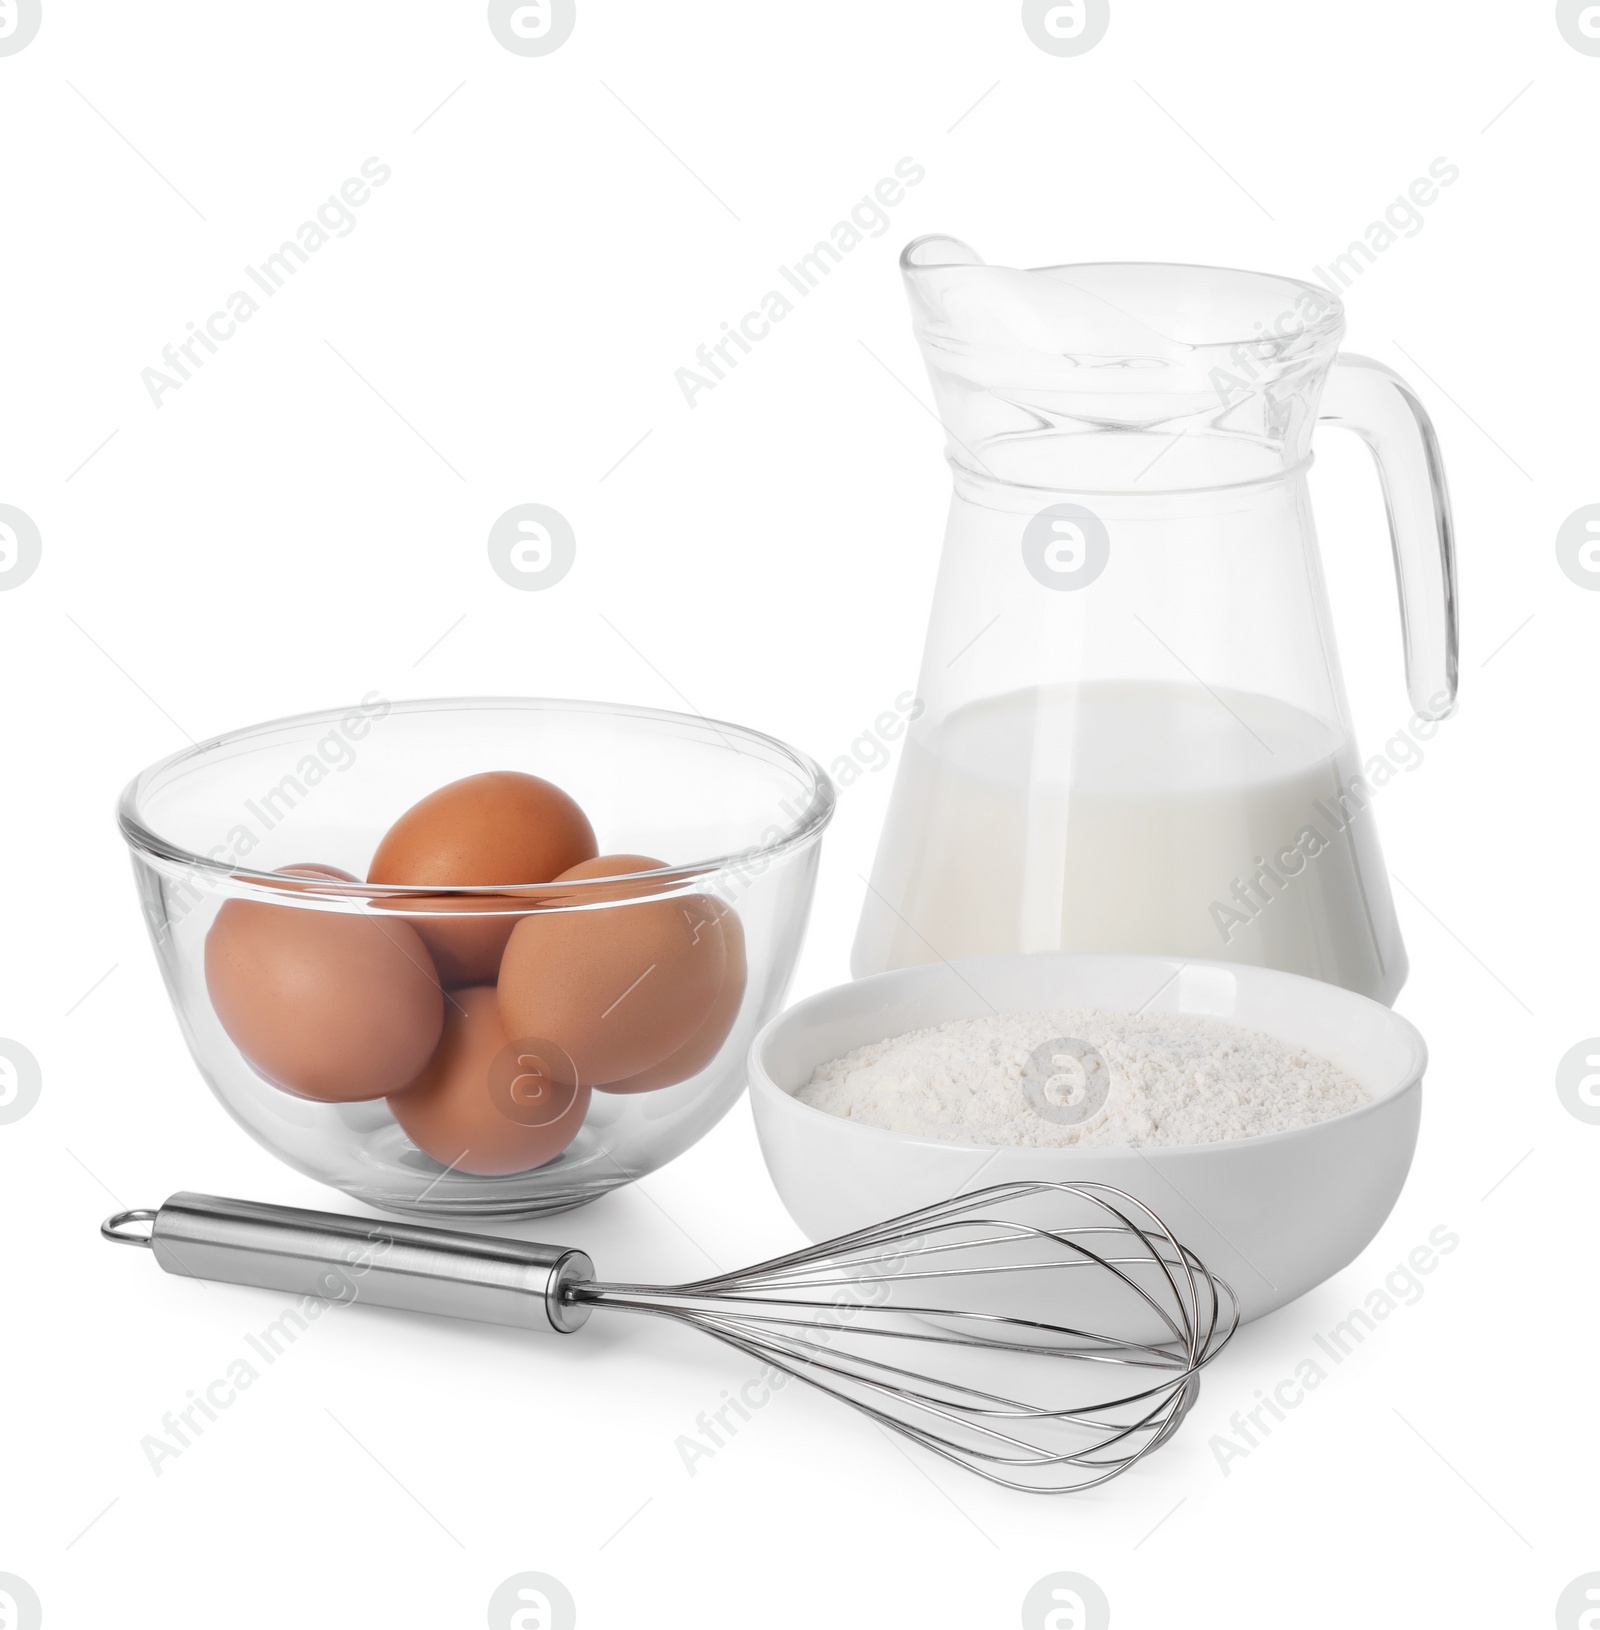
<point>313,868</point>
<point>610,866</point>
<point>328,1005</point>
<point>486,1105</point>
<point>618,987</point>
<point>499,827</point>
<point>466,936</point>
<point>706,1042</point>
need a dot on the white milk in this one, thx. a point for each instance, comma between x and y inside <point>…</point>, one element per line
<point>1119,817</point>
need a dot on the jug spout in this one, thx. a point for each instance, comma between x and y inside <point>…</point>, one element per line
<point>1113,377</point>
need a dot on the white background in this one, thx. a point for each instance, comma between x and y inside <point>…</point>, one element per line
<point>280,535</point>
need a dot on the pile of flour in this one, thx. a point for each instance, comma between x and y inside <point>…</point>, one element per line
<point>1174,1078</point>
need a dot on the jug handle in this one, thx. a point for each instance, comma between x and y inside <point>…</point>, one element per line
<point>1378,405</point>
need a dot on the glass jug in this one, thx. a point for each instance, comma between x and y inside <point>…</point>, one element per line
<point>1134,733</point>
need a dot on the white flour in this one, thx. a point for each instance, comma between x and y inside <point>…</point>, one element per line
<point>1174,1079</point>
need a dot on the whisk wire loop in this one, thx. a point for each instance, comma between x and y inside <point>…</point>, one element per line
<point>987,1328</point>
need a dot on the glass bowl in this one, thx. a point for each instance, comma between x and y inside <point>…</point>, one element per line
<point>737,817</point>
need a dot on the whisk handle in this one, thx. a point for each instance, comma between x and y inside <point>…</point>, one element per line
<point>360,1259</point>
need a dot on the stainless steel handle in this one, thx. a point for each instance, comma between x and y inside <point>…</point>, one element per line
<point>360,1259</point>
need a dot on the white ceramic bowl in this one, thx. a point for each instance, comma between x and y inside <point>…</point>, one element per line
<point>1273,1215</point>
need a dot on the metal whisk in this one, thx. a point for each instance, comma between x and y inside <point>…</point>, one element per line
<point>1046,1336</point>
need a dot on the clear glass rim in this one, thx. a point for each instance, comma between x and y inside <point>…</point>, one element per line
<point>799,831</point>
<point>1330,325</point>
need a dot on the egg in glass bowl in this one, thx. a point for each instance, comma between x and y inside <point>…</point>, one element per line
<point>482,957</point>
